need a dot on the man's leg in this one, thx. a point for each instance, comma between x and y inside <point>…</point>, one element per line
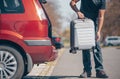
<point>98,57</point>
<point>86,60</point>
<point>99,62</point>
<point>86,63</point>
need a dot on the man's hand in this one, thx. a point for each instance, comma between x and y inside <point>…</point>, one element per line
<point>100,23</point>
<point>98,36</point>
<point>80,15</point>
<point>73,6</point>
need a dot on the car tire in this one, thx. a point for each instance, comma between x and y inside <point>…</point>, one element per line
<point>110,44</point>
<point>11,63</point>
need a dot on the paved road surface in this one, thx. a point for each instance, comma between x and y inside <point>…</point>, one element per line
<point>70,66</point>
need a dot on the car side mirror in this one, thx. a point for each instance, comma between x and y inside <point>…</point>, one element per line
<point>43,1</point>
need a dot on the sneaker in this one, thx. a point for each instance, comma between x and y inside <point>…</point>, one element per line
<point>73,51</point>
<point>85,74</point>
<point>101,74</point>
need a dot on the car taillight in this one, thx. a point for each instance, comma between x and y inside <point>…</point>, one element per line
<point>57,39</point>
<point>40,11</point>
<point>41,14</point>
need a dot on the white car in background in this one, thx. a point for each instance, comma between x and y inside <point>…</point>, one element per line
<point>112,41</point>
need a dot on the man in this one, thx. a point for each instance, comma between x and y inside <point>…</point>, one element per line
<point>95,10</point>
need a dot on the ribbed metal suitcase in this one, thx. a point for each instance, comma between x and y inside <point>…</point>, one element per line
<point>82,34</point>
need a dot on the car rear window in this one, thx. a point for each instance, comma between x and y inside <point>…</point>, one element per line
<point>11,6</point>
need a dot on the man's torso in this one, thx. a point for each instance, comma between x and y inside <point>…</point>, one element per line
<point>90,8</point>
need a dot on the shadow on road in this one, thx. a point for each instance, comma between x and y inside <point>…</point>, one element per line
<point>53,77</point>
<point>36,77</point>
<point>49,77</point>
<point>63,77</point>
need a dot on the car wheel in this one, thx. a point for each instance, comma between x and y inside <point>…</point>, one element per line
<point>11,63</point>
<point>110,44</point>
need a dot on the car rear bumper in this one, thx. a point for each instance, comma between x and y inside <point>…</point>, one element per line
<point>42,54</point>
<point>41,50</point>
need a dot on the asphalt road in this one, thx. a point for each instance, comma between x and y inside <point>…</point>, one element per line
<point>69,66</point>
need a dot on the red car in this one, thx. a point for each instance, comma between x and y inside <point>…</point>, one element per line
<point>25,37</point>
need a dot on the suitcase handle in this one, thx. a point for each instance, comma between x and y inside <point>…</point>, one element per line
<point>83,19</point>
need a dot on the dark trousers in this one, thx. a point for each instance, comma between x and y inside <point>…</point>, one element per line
<point>97,54</point>
<point>97,58</point>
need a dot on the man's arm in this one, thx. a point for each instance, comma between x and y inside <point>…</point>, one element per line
<point>73,6</point>
<point>100,22</point>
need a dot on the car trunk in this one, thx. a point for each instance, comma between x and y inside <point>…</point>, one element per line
<point>49,23</point>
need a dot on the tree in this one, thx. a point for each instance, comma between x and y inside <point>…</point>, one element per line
<point>112,19</point>
<point>53,16</point>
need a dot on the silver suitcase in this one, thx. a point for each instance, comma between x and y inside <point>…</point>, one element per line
<point>82,34</point>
